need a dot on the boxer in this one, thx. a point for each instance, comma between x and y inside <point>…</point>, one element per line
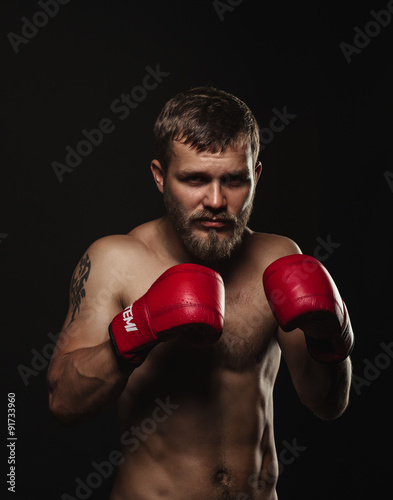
<point>182,322</point>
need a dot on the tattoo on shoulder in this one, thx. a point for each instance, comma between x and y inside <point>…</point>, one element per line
<point>78,281</point>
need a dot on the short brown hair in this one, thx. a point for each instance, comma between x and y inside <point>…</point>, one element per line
<point>206,118</point>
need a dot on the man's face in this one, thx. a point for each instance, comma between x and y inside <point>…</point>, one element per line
<point>209,198</point>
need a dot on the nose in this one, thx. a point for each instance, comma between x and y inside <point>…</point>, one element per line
<point>215,196</point>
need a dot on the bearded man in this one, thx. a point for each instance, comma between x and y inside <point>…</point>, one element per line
<point>182,321</point>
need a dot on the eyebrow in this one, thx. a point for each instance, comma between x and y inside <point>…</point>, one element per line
<point>244,172</point>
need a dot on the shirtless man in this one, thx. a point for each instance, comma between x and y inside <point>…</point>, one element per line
<point>196,357</point>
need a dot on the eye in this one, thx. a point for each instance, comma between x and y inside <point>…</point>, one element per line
<point>234,180</point>
<point>194,180</point>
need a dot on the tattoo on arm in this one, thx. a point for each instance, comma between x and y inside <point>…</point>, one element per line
<point>79,278</point>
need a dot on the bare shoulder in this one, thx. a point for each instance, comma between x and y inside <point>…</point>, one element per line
<point>128,260</point>
<point>116,250</point>
<point>115,247</point>
<point>111,259</point>
<point>267,247</point>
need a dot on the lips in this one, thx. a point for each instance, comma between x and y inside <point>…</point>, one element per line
<point>214,223</point>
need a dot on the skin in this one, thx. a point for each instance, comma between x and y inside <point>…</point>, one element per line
<point>214,437</point>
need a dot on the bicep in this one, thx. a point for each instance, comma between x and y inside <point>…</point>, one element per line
<point>94,300</point>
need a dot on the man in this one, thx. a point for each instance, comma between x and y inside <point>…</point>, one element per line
<point>182,321</point>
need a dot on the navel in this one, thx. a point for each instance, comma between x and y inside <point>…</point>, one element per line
<point>221,476</point>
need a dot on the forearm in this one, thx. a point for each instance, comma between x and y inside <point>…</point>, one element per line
<point>323,387</point>
<point>85,382</point>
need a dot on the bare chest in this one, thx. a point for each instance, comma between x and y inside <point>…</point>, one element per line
<point>248,328</point>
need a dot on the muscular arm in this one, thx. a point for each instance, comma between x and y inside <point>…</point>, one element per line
<point>85,376</point>
<point>323,388</point>
<point>85,382</point>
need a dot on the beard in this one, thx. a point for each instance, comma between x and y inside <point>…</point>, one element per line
<point>212,248</point>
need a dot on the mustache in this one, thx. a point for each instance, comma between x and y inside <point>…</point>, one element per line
<point>208,214</point>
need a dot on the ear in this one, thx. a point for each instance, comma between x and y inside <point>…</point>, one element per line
<point>158,174</point>
<point>258,171</point>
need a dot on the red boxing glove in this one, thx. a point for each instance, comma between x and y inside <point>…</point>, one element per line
<point>186,294</point>
<point>302,294</point>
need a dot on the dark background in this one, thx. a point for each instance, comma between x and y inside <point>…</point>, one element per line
<point>324,177</point>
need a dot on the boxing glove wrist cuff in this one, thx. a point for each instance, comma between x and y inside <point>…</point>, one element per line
<point>135,358</point>
<point>324,351</point>
<point>335,348</point>
<point>132,340</point>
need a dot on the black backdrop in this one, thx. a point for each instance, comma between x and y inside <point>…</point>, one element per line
<point>327,182</point>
